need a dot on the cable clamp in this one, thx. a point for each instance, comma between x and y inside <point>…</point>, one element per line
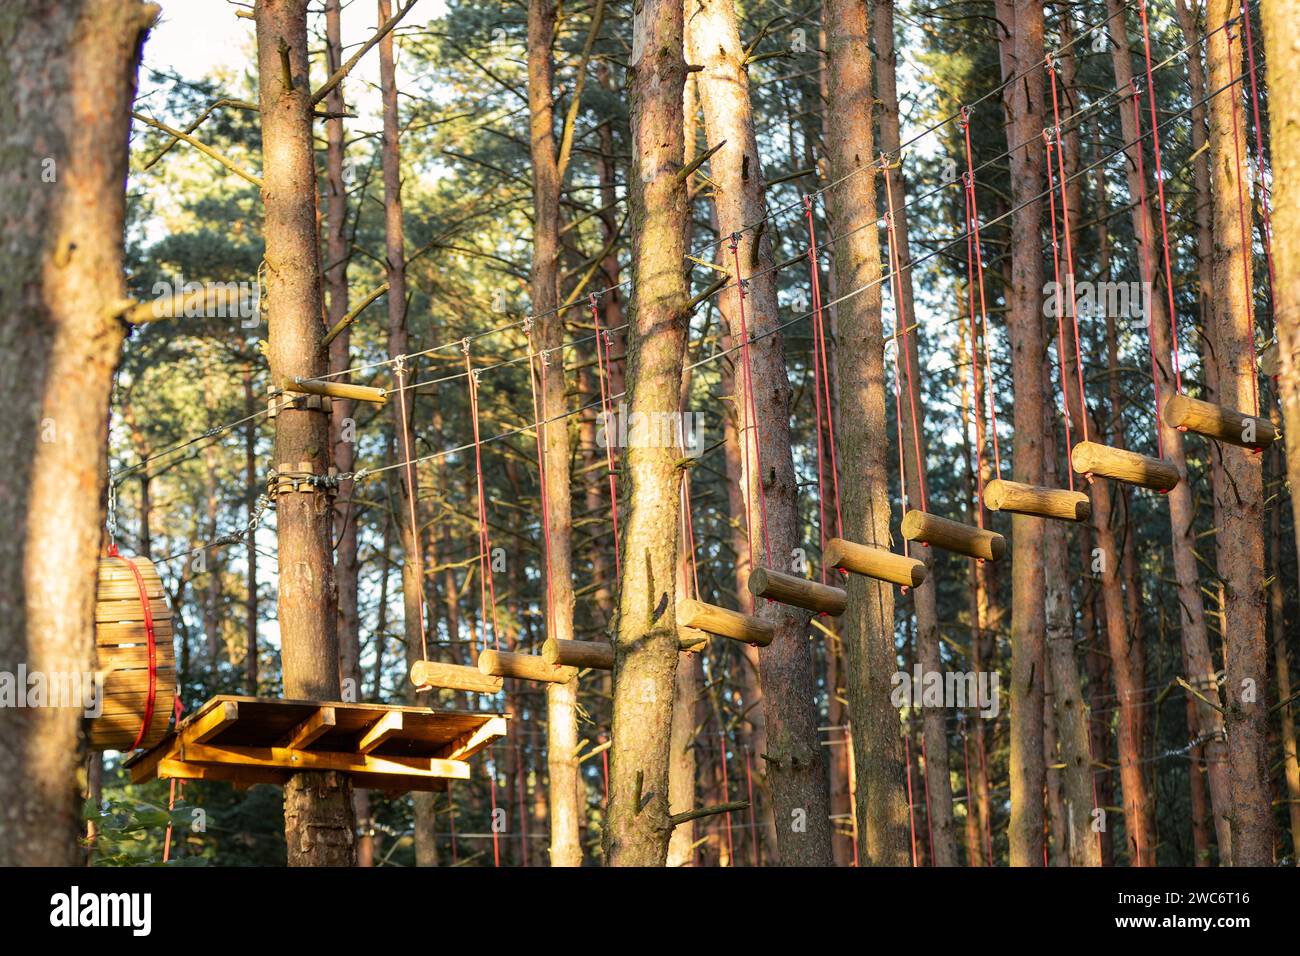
<point>464,345</point>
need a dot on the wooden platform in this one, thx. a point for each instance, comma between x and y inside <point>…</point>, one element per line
<point>249,740</point>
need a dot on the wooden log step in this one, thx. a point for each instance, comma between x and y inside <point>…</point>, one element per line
<point>874,562</point>
<point>359,393</point>
<point>1000,495</point>
<point>598,655</point>
<point>1119,464</point>
<point>800,592</point>
<point>723,622</point>
<point>113,633</point>
<point>112,612</point>
<point>953,536</point>
<point>431,674</point>
<point>1220,423</point>
<point>523,667</point>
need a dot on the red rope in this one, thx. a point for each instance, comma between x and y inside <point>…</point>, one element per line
<point>688,532</point>
<point>1146,261</point>
<point>900,321</point>
<point>752,419</point>
<point>539,429</point>
<point>1069,251</point>
<point>1060,317</point>
<point>177,709</point>
<point>1160,192</point>
<point>487,584</point>
<point>496,847</point>
<point>965,755</point>
<point>150,643</point>
<point>911,813</point>
<point>1246,245</point>
<point>973,214</point>
<point>606,407</point>
<point>726,798</point>
<point>753,827</point>
<point>925,782</point>
<point>977,398</point>
<point>821,385</point>
<point>399,368</point>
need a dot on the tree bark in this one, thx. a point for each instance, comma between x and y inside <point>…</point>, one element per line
<point>319,822</point>
<point>561,699</point>
<point>645,652</point>
<point>1238,479</point>
<point>796,772</point>
<point>868,625</point>
<point>1022,46</point>
<point>924,598</point>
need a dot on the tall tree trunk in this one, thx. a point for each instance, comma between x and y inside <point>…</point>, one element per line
<point>1022,43</point>
<point>1197,659</point>
<point>1281,665</point>
<point>1238,481</point>
<point>868,625</point>
<point>924,598</point>
<point>561,699</point>
<point>645,652</point>
<point>796,772</point>
<point>319,822</point>
<point>250,542</point>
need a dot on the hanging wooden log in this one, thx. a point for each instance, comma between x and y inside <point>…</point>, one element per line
<point>1058,503</point>
<point>874,562</point>
<point>523,667</point>
<point>953,536</point>
<point>800,592</point>
<point>598,655</point>
<point>1220,423</point>
<point>358,393</point>
<point>1089,458</point>
<point>724,622</point>
<point>436,674</point>
<point>121,640</point>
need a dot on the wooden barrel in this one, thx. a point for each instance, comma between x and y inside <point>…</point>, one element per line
<point>122,645</point>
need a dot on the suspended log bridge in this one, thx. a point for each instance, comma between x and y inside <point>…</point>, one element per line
<point>800,592</point>
<point>953,536</point>
<point>874,562</point>
<point>357,393</point>
<point>248,740</point>
<point>1021,499</point>
<point>1222,424</point>
<point>523,667</point>
<point>430,675</point>
<point>125,657</point>
<point>1119,464</point>
<point>724,622</point>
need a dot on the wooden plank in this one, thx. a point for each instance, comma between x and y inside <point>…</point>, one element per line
<point>799,592</point>
<point>110,633</point>
<point>306,733</point>
<point>953,536</point>
<point>473,742</point>
<point>114,612</point>
<point>299,760</point>
<point>209,722</point>
<point>381,730</point>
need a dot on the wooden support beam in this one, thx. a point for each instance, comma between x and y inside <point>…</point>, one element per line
<point>1058,503</point>
<point>299,760</point>
<point>430,674</point>
<point>307,732</point>
<point>788,589</point>
<point>874,562</point>
<point>359,393</point>
<point>473,742</point>
<point>724,622</point>
<point>523,667</point>
<point>212,723</point>
<point>1090,458</point>
<point>690,640</point>
<point>383,728</point>
<point>1220,423</point>
<point>953,536</point>
<point>595,654</point>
